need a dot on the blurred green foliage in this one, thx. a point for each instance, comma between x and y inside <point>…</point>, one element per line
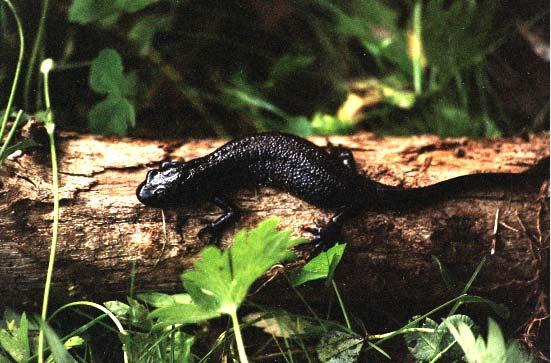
<point>305,67</point>
<point>115,114</point>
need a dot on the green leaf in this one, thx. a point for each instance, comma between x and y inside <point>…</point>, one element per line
<point>72,342</point>
<point>106,72</point>
<point>245,97</point>
<point>59,352</point>
<point>280,323</point>
<point>131,85</point>
<point>131,6</point>
<point>220,279</point>
<point>15,340</point>
<point>339,347</point>
<point>288,64</point>
<point>119,309</point>
<point>468,25</point>
<point>88,11</point>
<point>299,126</point>
<point>182,314</point>
<point>143,32</point>
<point>105,12</point>
<point>451,283</point>
<point>426,346</point>
<point>399,98</point>
<point>225,276</point>
<point>375,25</point>
<point>491,129</point>
<point>319,266</point>
<point>323,124</point>
<point>455,353</point>
<point>160,300</point>
<point>114,115</point>
<point>138,314</point>
<point>454,121</point>
<point>495,349</point>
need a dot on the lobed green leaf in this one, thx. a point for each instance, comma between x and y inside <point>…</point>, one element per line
<point>320,266</point>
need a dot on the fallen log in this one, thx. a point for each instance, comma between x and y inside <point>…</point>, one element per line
<point>104,229</point>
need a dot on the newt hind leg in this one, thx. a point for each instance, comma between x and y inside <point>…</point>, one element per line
<point>328,235</point>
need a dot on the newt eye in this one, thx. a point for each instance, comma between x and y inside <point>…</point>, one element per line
<point>168,164</point>
<point>159,191</point>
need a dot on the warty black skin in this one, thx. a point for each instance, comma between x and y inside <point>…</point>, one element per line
<point>323,176</point>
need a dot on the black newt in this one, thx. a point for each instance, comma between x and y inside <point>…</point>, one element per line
<point>323,176</point>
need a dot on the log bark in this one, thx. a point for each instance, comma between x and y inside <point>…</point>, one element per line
<point>104,229</point>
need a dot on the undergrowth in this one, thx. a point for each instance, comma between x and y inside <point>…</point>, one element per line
<point>158,327</point>
<point>414,74</point>
<point>391,67</point>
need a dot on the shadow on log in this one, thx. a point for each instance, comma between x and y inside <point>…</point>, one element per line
<point>389,256</point>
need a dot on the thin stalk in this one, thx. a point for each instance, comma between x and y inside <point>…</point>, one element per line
<point>306,304</point>
<point>417,58</point>
<point>34,53</point>
<point>71,66</point>
<point>17,68</point>
<point>442,352</point>
<point>401,331</point>
<point>468,285</point>
<point>10,136</point>
<point>53,247</point>
<point>341,304</point>
<point>50,128</point>
<point>238,338</point>
<point>387,336</point>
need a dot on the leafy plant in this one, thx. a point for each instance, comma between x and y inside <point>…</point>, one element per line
<point>6,149</point>
<point>494,349</point>
<point>220,280</point>
<point>320,267</point>
<point>434,341</point>
<point>104,11</point>
<point>15,339</point>
<point>339,347</point>
<point>115,114</point>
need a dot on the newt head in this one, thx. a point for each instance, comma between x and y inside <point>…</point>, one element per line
<point>172,185</point>
<point>157,187</point>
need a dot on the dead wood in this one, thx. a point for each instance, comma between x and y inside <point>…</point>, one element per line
<point>388,260</point>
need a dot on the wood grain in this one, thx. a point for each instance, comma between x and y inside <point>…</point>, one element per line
<point>104,229</point>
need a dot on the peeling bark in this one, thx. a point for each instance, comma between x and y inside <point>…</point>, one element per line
<point>388,260</point>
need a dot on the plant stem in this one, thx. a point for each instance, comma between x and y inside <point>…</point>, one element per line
<point>343,309</point>
<point>238,338</point>
<point>401,331</point>
<point>418,319</point>
<point>442,352</point>
<point>50,128</point>
<point>468,285</point>
<point>17,68</point>
<point>417,48</point>
<point>34,53</point>
<point>9,137</point>
<point>55,192</point>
